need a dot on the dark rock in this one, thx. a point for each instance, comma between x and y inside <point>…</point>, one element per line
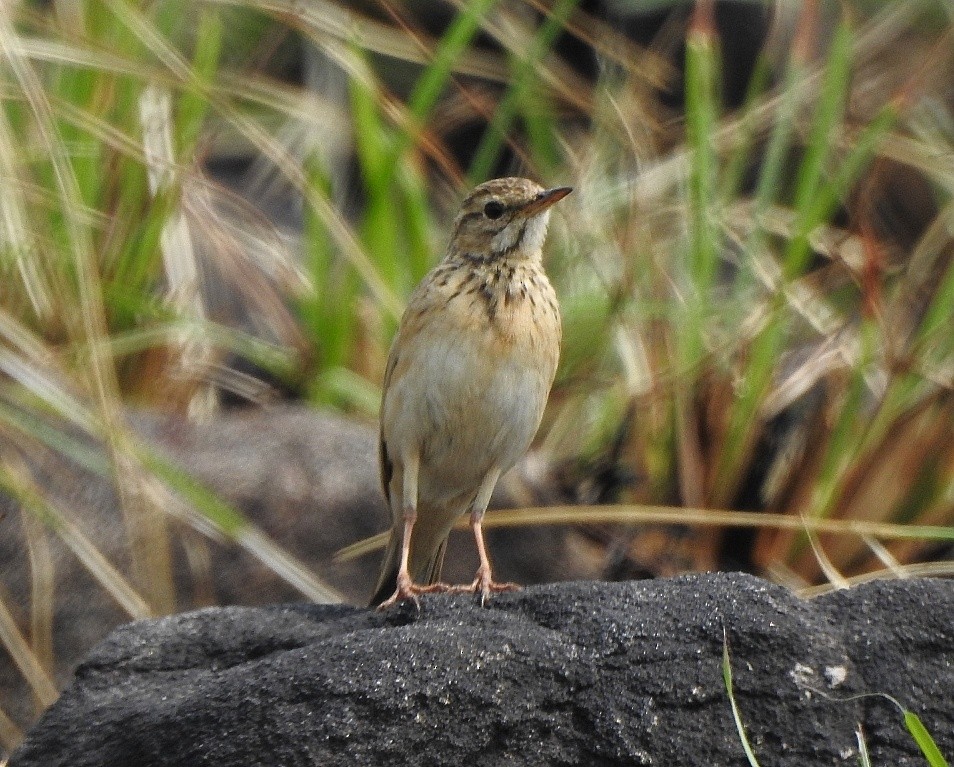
<point>574,673</point>
<point>306,478</point>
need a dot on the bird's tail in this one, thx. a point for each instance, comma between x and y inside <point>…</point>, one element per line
<point>423,572</point>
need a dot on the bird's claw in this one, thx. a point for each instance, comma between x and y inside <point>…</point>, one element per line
<point>408,590</point>
<point>495,588</point>
<point>485,586</point>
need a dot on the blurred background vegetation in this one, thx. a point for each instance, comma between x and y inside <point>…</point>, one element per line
<point>225,203</point>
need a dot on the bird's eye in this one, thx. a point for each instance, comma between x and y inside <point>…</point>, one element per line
<point>494,209</point>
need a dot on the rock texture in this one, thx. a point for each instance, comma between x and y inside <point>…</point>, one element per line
<point>307,479</point>
<point>573,673</point>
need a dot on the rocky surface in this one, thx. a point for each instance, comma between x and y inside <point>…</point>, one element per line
<point>575,673</point>
<point>307,479</point>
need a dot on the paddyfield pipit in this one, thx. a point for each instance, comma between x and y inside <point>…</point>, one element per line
<point>466,382</point>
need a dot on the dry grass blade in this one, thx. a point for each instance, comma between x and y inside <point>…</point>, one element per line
<point>64,52</point>
<point>513,32</point>
<point>733,335</point>
<point>44,381</point>
<point>835,578</point>
<point>91,314</point>
<point>311,109</point>
<point>15,237</point>
<point>323,20</point>
<point>250,87</point>
<point>884,556</point>
<point>943,569</point>
<point>29,665</point>
<point>10,734</point>
<point>90,328</point>
<point>193,353</point>
<point>287,566</point>
<point>17,480</point>
<point>658,179</point>
<point>667,515</point>
<point>887,478</point>
<point>272,150</point>
<point>340,231</point>
<point>42,588</point>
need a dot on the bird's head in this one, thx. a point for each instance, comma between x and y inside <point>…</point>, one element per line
<point>504,218</point>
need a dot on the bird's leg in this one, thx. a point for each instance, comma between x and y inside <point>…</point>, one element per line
<point>406,588</point>
<point>405,585</point>
<point>483,582</point>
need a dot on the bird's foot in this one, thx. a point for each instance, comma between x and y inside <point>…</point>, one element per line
<point>408,590</point>
<point>484,585</point>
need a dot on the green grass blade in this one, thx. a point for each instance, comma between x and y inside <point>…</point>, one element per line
<point>381,227</point>
<point>437,74</point>
<point>844,438</point>
<point>702,115</point>
<point>349,391</point>
<point>828,113</point>
<point>193,104</point>
<point>924,740</point>
<point>415,210</point>
<point>329,308</point>
<point>741,155</point>
<point>521,95</point>
<point>815,200</point>
<point>863,757</point>
<point>773,165</point>
<point>826,197</point>
<point>736,714</point>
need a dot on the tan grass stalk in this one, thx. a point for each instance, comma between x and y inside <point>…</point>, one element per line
<point>25,660</point>
<point>16,479</point>
<point>42,588</point>
<point>10,734</point>
<point>943,569</point>
<point>632,514</point>
<point>89,328</point>
<point>192,352</point>
<point>825,564</point>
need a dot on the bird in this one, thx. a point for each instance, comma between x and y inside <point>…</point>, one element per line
<point>467,379</point>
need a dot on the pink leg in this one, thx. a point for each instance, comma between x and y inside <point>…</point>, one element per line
<point>406,588</point>
<point>483,582</point>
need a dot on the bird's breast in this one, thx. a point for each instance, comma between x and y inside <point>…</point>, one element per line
<point>471,377</point>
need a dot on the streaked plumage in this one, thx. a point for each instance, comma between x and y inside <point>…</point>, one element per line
<point>467,378</point>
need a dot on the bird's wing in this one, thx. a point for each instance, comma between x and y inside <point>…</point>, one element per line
<point>386,464</point>
<point>416,312</point>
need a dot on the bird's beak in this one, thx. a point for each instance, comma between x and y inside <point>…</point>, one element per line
<point>545,199</point>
